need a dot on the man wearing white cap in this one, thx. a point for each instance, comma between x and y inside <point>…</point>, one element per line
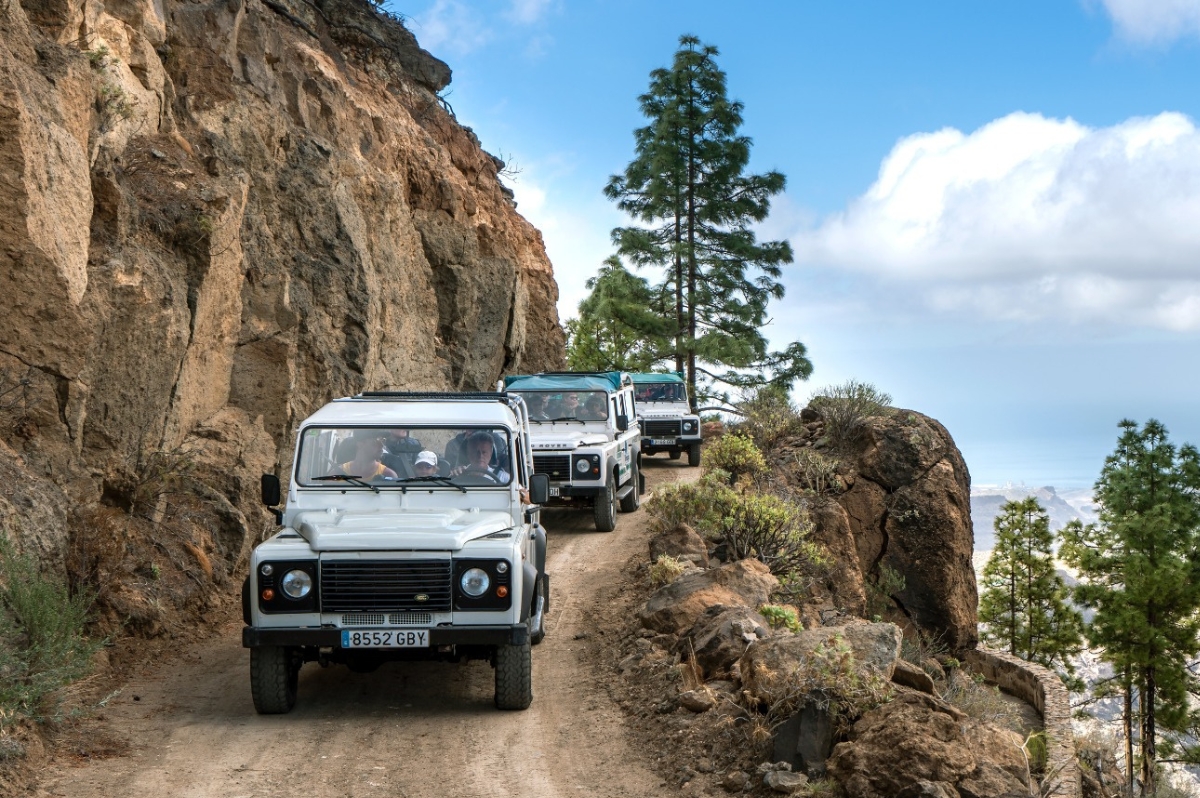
<point>426,464</point>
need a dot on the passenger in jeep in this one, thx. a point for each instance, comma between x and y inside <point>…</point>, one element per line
<point>479,456</point>
<point>368,448</point>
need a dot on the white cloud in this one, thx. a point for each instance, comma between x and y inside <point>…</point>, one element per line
<point>527,12</point>
<point>450,26</point>
<point>1154,21</point>
<point>1030,218</point>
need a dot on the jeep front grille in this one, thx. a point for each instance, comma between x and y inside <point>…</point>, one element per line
<point>661,429</point>
<point>384,586</point>
<point>555,466</point>
<point>395,619</point>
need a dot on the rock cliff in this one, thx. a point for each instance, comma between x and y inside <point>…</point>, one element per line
<point>215,215</point>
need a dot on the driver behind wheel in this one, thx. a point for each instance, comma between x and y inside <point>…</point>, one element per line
<point>479,454</point>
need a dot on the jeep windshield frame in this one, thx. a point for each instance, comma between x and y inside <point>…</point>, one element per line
<point>384,457</point>
<point>552,406</point>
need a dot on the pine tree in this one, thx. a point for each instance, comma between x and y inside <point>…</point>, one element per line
<point>688,186</point>
<point>1141,570</point>
<point>1024,601</point>
<point>620,326</point>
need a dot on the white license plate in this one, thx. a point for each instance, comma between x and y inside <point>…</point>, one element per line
<point>385,638</point>
<point>663,441</point>
<point>554,491</point>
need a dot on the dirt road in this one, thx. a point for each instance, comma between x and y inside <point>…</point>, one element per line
<point>408,729</point>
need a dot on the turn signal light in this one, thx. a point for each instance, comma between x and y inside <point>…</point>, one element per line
<point>268,595</point>
<point>502,591</point>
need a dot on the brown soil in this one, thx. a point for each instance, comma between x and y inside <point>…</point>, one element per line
<point>183,723</point>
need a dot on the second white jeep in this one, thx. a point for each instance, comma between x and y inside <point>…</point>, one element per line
<point>585,439</point>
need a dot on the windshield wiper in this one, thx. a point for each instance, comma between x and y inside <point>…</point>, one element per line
<point>438,480</point>
<point>352,479</point>
<point>568,418</point>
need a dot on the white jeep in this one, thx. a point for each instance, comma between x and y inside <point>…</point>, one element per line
<point>406,534</point>
<point>585,439</point>
<point>667,421</point>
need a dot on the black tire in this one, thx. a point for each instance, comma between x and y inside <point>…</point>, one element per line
<point>274,674</point>
<point>606,506</point>
<point>633,499</point>
<point>694,455</point>
<point>675,454</point>
<point>514,677</point>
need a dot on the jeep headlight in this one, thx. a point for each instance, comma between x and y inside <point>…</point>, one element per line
<point>296,584</point>
<point>582,465</point>
<point>475,582</point>
<point>689,426</point>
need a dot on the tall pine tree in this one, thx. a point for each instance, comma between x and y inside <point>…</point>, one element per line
<point>1141,574</point>
<point>688,188</point>
<point>1024,601</point>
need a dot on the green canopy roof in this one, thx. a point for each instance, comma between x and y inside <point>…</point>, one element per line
<point>564,381</point>
<point>640,379</point>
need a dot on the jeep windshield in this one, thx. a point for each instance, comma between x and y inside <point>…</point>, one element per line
<point>381,457</point>
<point>660,392</point>
<point>547,406</point>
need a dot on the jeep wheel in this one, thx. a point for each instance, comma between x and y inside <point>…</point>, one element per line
<point>606,506</point>
<point>694,455</point>
<point>514,677</point>
<point>633,499</point>
<point>274,673</point>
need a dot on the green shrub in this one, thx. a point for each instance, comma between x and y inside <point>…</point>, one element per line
<point>665,570</point>
<point>845,409</point>
<point>697,504</point>
<point>736,455</point>
<point>817,473</point>
<point>42,642</point>
<point>768,417</point>
<point>881,589</point>
<point>772,530</point>
<point>974,696</point>
<point>780,616</point>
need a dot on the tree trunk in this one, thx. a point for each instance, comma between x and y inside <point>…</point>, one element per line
<point>1128,732</point>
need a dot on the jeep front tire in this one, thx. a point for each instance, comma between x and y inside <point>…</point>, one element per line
<point>606,506</point>
<point>514,676</point>
<point>694,455</point>
<point>274,675</point>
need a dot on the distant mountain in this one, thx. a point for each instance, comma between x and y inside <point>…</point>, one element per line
<point>986,502</point>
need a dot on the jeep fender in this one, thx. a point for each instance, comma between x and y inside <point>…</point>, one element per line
<point>539,548</point>
<point>530,580</point>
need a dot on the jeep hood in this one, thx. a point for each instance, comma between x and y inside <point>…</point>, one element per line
<point>428,530</point>
<point>568,441</point>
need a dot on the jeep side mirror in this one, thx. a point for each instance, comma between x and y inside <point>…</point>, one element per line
<point>622,422</point>
<point>539,488</point>
<point>270,490</point>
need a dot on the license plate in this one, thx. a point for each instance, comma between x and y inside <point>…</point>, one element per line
<point>554,491</point>
<point>663,441</point>
<point>385,638</point>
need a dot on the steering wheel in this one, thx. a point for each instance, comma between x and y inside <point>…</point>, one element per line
<point>475,475</point>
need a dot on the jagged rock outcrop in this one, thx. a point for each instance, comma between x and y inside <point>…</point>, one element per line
<point>215,215</point>
<point>901,511</point>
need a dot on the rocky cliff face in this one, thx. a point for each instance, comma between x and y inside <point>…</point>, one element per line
<point>215,215</point>
<point>897,523</point>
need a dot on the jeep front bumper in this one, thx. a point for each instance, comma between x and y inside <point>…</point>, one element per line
<point>331,637</point>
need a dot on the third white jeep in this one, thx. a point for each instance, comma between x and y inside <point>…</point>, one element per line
<point>667,421</point>
<point>586,439</point>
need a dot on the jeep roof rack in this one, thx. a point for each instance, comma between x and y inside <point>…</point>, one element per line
<point>419,395</point>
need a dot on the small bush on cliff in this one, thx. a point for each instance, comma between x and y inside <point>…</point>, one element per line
<point>42,643</point>
<point>769,416</point>
<point>845,409</point>
<point>736,455</point>
<point>665,570</point>
<point>780,616</point>
<point>697,504</point>
<point>817,473</point>
<point>774,531</point>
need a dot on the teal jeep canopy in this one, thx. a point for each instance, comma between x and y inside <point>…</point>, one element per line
<point>565,381</point>
<point>672,376</point>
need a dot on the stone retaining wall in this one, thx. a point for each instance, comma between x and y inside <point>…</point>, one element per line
<point>1041,688</point>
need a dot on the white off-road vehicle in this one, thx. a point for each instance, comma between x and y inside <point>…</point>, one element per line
<point>407,533</point>
<point>585,439</point>
<point>667,421</point>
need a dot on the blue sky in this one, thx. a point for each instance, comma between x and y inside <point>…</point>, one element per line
<point>995,206</point>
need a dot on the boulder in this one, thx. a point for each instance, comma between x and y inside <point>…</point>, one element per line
<point>917,738</point>
<point>721,635</point>
<point>928,789</point>
<point>682,543</point>
<point>676,607</point>
<point>910,675</point>
<point>776,667</point>
<point>784,781</point>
